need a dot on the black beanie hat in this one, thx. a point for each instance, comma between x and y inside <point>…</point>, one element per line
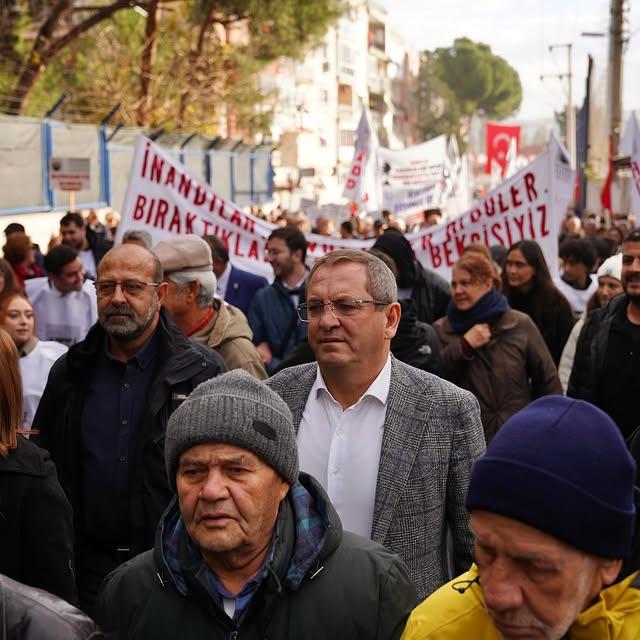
<point>561,466</point>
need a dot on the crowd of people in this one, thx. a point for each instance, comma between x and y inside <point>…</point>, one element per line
<point>358,449</point>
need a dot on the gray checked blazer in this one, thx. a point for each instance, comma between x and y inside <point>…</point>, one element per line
<point>432,435</point>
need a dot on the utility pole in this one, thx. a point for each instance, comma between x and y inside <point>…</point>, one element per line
<point>570,121</point>
<point>616,45</point>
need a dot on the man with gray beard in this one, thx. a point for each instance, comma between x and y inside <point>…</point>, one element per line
<point>104,412</point>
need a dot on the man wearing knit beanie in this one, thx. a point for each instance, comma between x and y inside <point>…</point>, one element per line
<point>554,517</point>
<point>250,547</point>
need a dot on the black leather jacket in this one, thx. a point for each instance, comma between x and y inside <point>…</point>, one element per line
<point>27,613</point>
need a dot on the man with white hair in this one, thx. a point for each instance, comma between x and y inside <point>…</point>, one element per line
<point>187,266</point>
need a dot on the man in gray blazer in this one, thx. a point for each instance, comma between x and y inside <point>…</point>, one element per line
<point>392,445</point>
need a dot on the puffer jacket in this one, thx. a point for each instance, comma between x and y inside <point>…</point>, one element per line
<point>457,612</point>
<point>32,614</point>
<point>321,584</point>
<point>506,374</point>
<point>230,335</point>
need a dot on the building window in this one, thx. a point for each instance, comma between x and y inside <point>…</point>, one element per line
<point>347,137</point>
<point>345,94</point>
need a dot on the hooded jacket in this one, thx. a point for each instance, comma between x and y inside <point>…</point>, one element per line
<point>321,583</point>
<point>457,611</point>
<point>230,335</point>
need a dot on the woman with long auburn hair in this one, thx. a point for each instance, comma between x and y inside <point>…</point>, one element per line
<point>489,349</point>
<point>36,526</point>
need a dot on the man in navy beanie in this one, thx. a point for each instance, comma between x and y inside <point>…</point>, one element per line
<point>553,516</point>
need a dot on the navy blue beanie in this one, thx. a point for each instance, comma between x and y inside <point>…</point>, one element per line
<point>561,466</point>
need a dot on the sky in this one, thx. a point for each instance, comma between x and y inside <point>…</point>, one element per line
<point>521,31</point>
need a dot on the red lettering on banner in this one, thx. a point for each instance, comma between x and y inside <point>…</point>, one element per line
<point>312,246</point>
<point>519,220</point>
<point>327,248</point>
<point>544,230</point>
<point>138,212</point>
<point>253,250</point>
<point>531,230</point>
<point>529,182</point>
<point>509,237</point>
<point>170,179</point>
<point>237,247</point>
<point>356,170</point>
<point>163,209</point>
<point>225,235</point>
<point>213,203</point>
<point>475,237</point>
<point>501,205</point>
<point>150,211</point>
<point>191,218</point>
<point>514,196</point>
<point>494,230</point>
<point>236,218</point>
<point>207,227</point>
<point>434,252</point>
<point>185,185</point>
<point>200,196</point>
<point>175,220</point>
<point>447,254</point>
<point>144,160</point>
<point>161,213</point>
<point>351,183</point>
<point>249,225</point>
<point>489,207</point>
<point>156,169</point>
<point>460,243</point>
<point>221,211</point>
<point>476,214</point>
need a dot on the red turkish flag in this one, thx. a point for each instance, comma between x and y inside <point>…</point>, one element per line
<point>498,140</point>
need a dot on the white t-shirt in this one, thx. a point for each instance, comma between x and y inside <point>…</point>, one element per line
<point>577,298</point>
<point>341,449</point>
<point>34,368</point>
<point>62,318</point>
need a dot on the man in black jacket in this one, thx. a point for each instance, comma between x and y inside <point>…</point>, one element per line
<point>90,246</point>
<point>104,412</point>
<point>251,548</point>
<point>606,368</point>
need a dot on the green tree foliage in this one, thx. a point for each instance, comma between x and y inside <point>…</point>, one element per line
<point>463,80</point>
<point>183,66</point>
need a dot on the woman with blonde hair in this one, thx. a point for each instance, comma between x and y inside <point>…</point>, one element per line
<point>36,527</point>
<point>36,356</point>
<point>488,348</point>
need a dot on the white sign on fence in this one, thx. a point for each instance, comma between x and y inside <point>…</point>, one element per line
<point>70,174</point>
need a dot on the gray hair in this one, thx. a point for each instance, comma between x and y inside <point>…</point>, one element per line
<point>207,280</point>
<point>138,235</point>
<point>381,283</point>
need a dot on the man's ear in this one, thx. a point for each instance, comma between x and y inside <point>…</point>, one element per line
<point>393,320</point>
<point>609,571</point>
<point>162,290</point>
<point>193,291</point>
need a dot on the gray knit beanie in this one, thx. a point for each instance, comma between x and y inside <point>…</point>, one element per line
<point>236,409</point>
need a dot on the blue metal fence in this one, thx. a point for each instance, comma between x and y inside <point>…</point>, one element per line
<point>239,172</point>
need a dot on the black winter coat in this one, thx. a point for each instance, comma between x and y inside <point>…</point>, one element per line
<point>182,365</point>
<point>36,522</point>
<point>595,381</point>
<point>356,590</point>
<point>431,294</point>
<point>30,614</point>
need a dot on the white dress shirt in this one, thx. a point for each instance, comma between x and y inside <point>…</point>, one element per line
<point>223,281</point>
<point>88,263</point>
<point>341,449</point>
<point>65,318</point>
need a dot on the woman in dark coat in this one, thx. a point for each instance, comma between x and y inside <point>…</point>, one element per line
<point>36,530</point>
<point>528,286</point>
<point>491,350</point>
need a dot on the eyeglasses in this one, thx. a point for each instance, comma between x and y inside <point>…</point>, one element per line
<point>133,288</point>
<point>341,307</point>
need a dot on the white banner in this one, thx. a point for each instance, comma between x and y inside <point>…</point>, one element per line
<point>362,187</point>
<point>630,146</point>
<point>413,179</point>
<point>163,199</point>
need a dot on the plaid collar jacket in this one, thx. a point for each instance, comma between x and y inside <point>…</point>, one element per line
<point>432,436</point>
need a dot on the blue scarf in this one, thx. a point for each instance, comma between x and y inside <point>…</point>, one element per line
<point>489,308</point>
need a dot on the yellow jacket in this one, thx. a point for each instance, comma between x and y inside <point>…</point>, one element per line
<point>449,614</point>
